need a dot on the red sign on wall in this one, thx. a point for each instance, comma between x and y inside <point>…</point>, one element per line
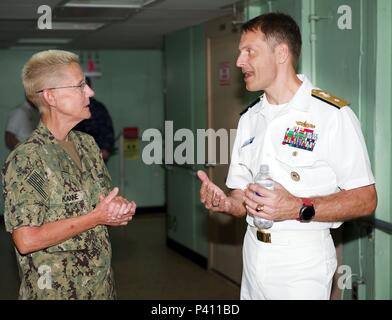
<point>224,73</point>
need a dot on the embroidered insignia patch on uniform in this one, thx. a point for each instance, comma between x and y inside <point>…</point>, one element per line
<point>301,138</point>
<point>38,183</point>
<point>73,197</point>
<point>306,124</point>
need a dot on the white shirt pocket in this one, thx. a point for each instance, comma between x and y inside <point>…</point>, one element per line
<point>302,173</point>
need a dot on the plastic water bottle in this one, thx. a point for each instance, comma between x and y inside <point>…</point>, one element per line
<point>263,179</point>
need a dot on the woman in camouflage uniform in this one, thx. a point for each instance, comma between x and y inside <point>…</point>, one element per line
<point>55,185</point>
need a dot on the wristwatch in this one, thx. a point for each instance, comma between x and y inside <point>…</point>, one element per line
<point>307,212</point>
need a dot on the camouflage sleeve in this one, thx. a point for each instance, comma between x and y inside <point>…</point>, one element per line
<point>25,191</point>
<point>104,175</point>
<point>106,181</point>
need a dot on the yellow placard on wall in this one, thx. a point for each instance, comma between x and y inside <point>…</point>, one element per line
<point>131,149</point>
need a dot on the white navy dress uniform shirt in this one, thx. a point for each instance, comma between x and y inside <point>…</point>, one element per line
<point>22,121</point>
<point>313,146</point>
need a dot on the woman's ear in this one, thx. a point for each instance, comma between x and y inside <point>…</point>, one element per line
<point>49,98</point>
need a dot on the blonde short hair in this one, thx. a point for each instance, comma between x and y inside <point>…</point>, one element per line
<point>42,66</point>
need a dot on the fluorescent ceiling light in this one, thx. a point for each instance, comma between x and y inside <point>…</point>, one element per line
<point>130,4</point>
<point>76,25</point>
<point>36,48</point>
<point>44,41</point>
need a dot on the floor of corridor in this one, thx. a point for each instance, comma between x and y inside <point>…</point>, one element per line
<point>144,267</point>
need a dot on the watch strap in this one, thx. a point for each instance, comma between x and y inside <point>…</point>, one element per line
<point>307,201</point>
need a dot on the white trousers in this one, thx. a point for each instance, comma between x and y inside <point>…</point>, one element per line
<point>295,265</point>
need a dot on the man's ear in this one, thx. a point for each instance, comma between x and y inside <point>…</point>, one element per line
<point>282,53</point>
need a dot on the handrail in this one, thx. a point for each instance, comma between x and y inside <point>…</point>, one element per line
<point>377,224</point>
<point>181,166</point>
<point>187,167</point>
<point>383,225</point>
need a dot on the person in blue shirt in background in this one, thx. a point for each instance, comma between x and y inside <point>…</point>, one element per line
<point>100,126</point>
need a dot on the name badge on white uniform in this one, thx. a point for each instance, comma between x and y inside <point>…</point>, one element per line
<point>248,142</point>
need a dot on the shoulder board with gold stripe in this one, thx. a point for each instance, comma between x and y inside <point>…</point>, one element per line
<point>330,99</point>
<point>250,106</point>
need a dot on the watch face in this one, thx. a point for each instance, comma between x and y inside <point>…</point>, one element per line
<point>307,213</point>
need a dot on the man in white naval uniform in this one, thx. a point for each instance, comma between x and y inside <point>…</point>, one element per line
<point>313,144</point>
<point>22,121</point>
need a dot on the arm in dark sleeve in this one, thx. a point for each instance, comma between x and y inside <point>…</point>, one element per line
<point>105,132</point>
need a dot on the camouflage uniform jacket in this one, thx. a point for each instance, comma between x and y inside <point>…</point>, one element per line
<point>42,184</point>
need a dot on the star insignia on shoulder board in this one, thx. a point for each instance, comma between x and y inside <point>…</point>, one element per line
<point>330,99</point>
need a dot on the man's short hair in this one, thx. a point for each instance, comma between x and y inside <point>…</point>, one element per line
<point>278,28</point>
<point>41,68</point>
